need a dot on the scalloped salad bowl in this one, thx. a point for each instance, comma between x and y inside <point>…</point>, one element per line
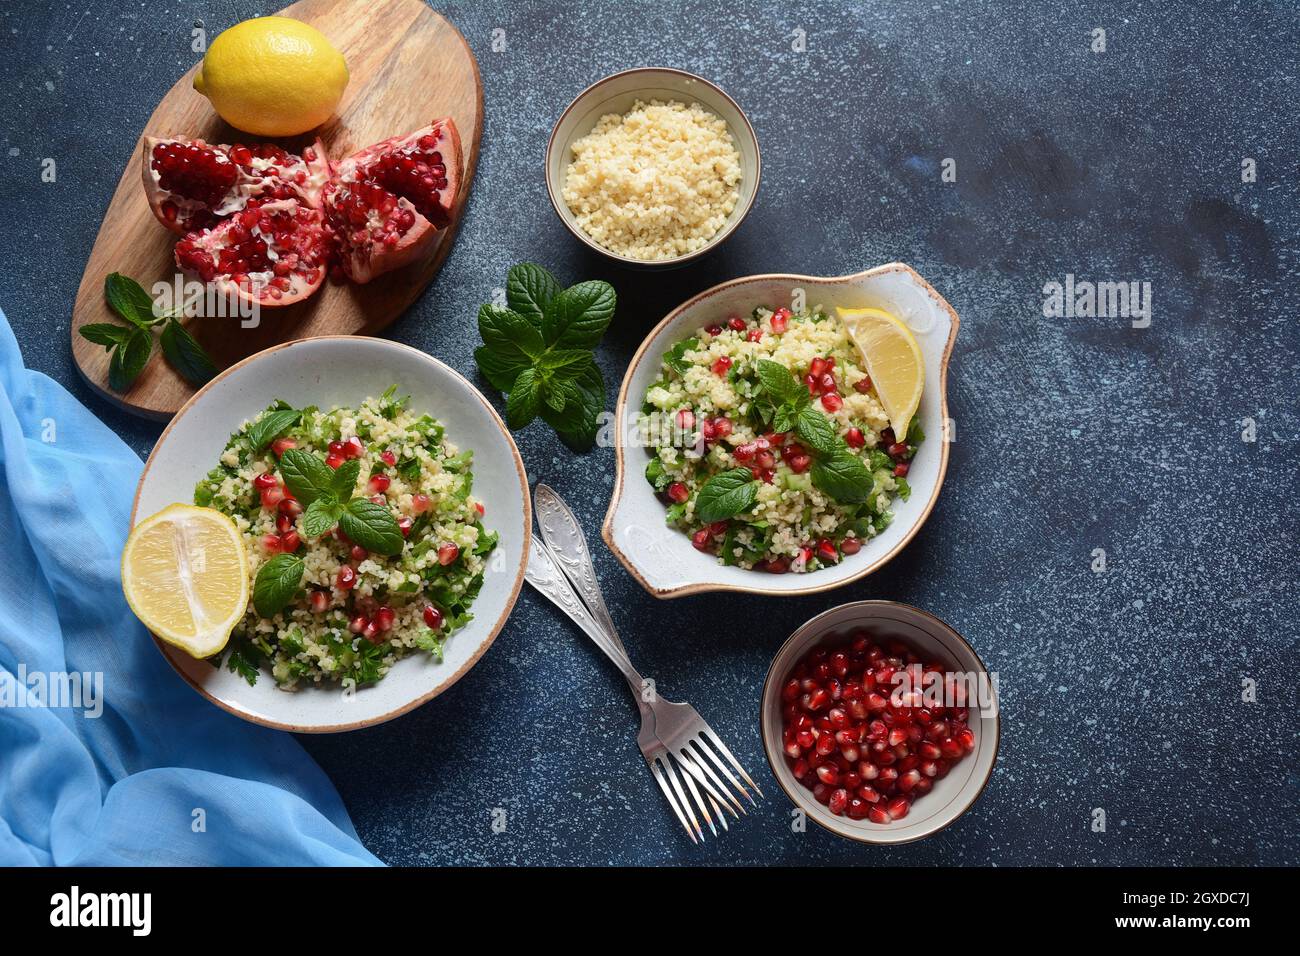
<point>660,557</point>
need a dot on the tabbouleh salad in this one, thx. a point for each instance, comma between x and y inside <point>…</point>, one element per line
<point>769,444</point>
<point>364,541</point>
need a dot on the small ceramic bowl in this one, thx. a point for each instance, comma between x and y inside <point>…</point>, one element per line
<point>616,94</point>
<point>662,558</point>
<point>343,370</point>
<point>932,639</point>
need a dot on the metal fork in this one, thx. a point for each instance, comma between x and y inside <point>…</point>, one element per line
<point>673,735</point>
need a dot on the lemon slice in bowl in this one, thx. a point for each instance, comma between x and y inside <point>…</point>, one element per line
<point>185,576</point>
<point>893,359</point>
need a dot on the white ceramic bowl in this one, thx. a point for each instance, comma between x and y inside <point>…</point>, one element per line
<point>932,639</point>
<point>616,94</point>
<point>343,370</point>
<point>662,558</point>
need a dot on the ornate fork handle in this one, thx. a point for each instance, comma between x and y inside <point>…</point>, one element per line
<point>567,544</point>
<point>545,575</point>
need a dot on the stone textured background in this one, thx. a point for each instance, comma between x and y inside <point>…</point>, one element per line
<point>1120,690</point>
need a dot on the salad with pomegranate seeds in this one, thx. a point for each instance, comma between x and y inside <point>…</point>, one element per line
<point>364,540</point>
<point>769,445</point>
<point>869,727</point>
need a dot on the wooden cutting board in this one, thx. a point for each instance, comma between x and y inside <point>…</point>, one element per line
<point>408,66</point>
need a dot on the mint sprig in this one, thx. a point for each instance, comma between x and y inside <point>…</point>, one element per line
<point>276,584</point>
<point>131,346</point>
<point>540,352</point>
<point>327,495</point>
<point>836,469</point>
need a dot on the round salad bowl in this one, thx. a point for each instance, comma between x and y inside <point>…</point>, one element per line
<point>660,557</point>
<point>617,94</point>
<point>932,640</point>
<point>344,370</point>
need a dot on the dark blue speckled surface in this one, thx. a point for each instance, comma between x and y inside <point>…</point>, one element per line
<point>1120,690</point>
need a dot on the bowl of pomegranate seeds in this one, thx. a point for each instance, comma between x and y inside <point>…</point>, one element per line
<point>880,722</point>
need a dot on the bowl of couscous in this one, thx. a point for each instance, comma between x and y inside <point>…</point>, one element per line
<point>755,452</point>
<point>382,508</point>
<point>652,167</point>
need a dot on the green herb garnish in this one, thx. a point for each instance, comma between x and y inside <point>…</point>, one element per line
<point>131,345</point>
<point>276,584</point>
<point>327,495</point>
<point>540,352</point>
<point>726,495</point>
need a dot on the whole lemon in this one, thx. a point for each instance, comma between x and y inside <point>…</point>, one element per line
<point>272,76</point>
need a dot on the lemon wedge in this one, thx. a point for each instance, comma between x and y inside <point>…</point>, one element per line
<point>893,360</point>
<point>185,576</point>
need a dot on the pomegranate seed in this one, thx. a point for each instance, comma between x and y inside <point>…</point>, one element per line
<point>850,546</point>
<point>869,794</point>
<point>721,365</point>
<point>878,814</point>
<point>686,419</point>
<point>901,469</point>
<point>281,445</point>
<point>380,483</point>
<point>862,385</point>
<point>378,499</point>
<point>950,747</point>
<point>289,506</point>
<point>272,497</point>
<point>832,402</point>
<point>384,617</point>
<point>967,739</point>
<point>722,427</point>
<point>354,447</point>
<point>854,438</point>
<point>745,452</point>
<point>713,329</point>
<point>432,617</point>
<point>736,323</point>
<point>420,504</point>
<point>319,601</point>
<point>358,553</point>
<point>678,492</point>
<point>264,481</point>
<point>799,463</point>
<point>827,382</point>
<point>336,448</point>
<point>358,623</point>
<point>777,566</point>
<point>271,542</point>
<point>897,450</point>
<point>817,368</point>
<point>898,808</point>
<point>388,458</point>
<point>839,800</point>
<point>334,461</point>
<point>826,551</point>
<point>283,522</point>
<point>818,699</point>
<point>754,335</point>
<point>828,774</point>
<point>478,506</point>
<point>404,525</point>
<point>701,540</point>
<point>909,780</point>
<point>346,579</point>
<point>780,320</point>
<point>447,553</point>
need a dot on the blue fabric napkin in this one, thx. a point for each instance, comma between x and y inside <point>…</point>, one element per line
<point>146,771</point>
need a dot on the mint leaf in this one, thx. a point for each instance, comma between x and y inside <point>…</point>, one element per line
<point>529,290</point>
<point>105,333</point>
<point>524,400</point>
<point>320,518</point>
<point>186,355</point>
<point>566,363</point>
<point>307,476</point>
<point>276,583</point>
<point>372,526</point>
<point>504,329</point>
<point>843,476</point>
<point>579,422</point>
<point>780,384</point>
<point>675,357</point>
<point>818,432</point>
<point>501,366</point>
<point>726,495</point>
<point>578,316</point>
<point>129,359</point>
<point>784,418</point>
<point>344,480</point>
<point>128,299</point>
<point>271,426</point>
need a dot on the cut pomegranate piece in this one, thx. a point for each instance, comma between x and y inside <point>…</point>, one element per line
<point>387,202</point>
<point>191,184</point>
<point>272,254</point>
